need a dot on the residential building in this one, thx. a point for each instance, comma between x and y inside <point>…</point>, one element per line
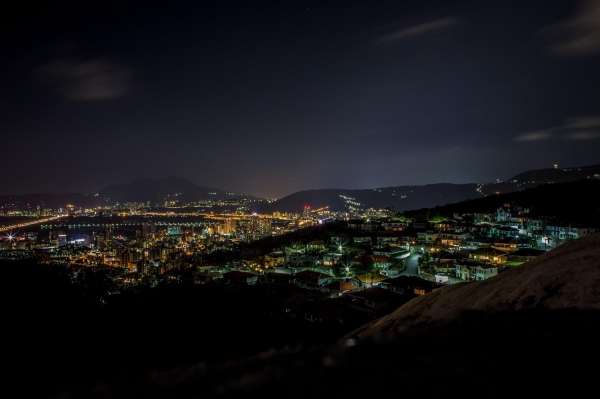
<point>394,225</point>
<point>276,258</point>
<point>452,238</point>
<point>368,280</point>
<point>488,255</point>
<point>409,285</point>
<point>240,277</point>
<point>476,271</point>
<point>312,278</point>
<point>371,299</point>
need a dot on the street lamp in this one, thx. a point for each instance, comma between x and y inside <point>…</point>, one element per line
<point>11,237</point>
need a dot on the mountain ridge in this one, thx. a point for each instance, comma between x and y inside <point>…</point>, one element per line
<point>398,198</point>
<point>155,190</point>
<point>568,202</point>
<point>404,198</point>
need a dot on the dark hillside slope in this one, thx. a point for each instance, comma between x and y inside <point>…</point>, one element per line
<point>403,198</point>
<point>532,178</point>
<point>530,331</point>
<point>572,202</point>
<point>399,198</point>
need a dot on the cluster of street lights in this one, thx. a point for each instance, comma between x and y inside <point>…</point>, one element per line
<point>11,238</point>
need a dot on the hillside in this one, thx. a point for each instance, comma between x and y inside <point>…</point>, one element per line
<point>536,177</point>
<point>156,191</point>
<point>565,278</point>
<point>572,202</point>
<point>403,198</point>
<point>400,198</point>
<point>530,330</point>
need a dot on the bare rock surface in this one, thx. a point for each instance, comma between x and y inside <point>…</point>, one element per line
<point>568,277</point>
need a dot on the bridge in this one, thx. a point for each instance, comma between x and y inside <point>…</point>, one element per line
<point>29,223</point>
<point>117,225</point>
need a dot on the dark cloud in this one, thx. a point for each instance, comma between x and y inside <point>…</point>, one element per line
<point>579,34</point>
<point>77,80</point>
<point>433,26</point>
<point>537,135</point>
<point>273,99</point>
<point>584,135</point>
<point>579,128</point>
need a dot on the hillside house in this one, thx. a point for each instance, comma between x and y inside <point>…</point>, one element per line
<point>452,238</point>
<point>387,239</point>
<point>240,277</point>
<point>337,288</point>
<point>478,242</point>
<point>446,225</point>
<point>409,285</point>
<point>394,226</point>
<point>274,278</point>
<point>368,280</point>
<point>371,299</point>
<point>276,258</point>
<point>476,271</point>
<point>311,278</point>
<point>488,255</point>
<point>317,245</point>
<point>378,261</point>
<point>340,240</point>
<point>446,268</point>
<point>365,241</point>
<point>427,237</point>
<point>391,252</point>
<point>483,216</point>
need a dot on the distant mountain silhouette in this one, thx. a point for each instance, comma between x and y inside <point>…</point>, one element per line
<point>400,198</point>
<point>403,198</point>
<point>170,188</point>
<point>51,201</point>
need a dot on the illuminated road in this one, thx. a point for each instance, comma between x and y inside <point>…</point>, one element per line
<point>412,264</point>
<point>25,224</point>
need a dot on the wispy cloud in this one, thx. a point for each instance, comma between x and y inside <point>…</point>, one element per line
<point>436,25</point>
<point>583,122</point>
<point>585,135</point>
<point>78,80</point>
<point>537,135</point>
<point>579,34</point>
<point>578,128</point>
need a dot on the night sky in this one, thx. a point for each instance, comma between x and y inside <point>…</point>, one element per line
<point>269,98</point>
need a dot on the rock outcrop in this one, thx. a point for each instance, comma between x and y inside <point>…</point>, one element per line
<point>565,278</point>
